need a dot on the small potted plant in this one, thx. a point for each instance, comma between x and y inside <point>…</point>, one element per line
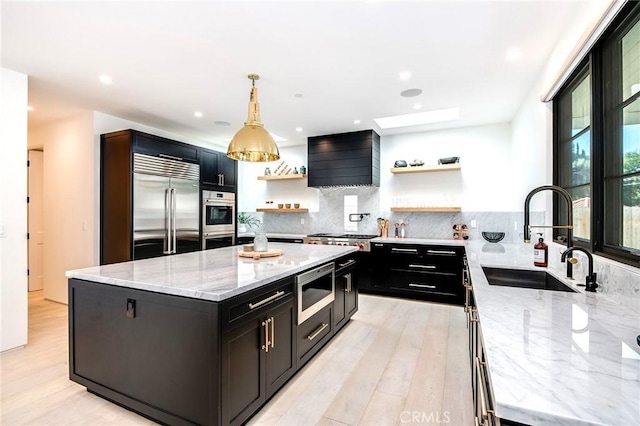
<point>246,221</point>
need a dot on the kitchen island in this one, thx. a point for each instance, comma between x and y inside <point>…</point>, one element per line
<point>197,338</point>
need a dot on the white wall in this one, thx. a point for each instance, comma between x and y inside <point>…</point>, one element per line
<point>252,193</point>
<point>69,220</point>
<point>13,209</point>
<point>486,159</point>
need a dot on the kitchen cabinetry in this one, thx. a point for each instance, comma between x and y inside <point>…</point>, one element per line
<point>139,172</point>
<point>344,159</point>
<point>219,172</point>
<point>428,272</point>
<point>257,349</point>
<point>346,301</point>
<point>127,345</point>
<point>314,333</point>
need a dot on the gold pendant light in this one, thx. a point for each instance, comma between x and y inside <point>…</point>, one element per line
<point>253,142</point>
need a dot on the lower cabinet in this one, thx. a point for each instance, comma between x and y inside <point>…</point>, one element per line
<point>346,301</point>
<point>126,345</point>
<point>314,333</point>
<point>426,272</point>
<point>258,352</point>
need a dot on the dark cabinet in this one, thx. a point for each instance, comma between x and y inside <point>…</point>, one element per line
<point>346,301</point>
<point>314,333</point>
<point>128,344</point>
<point>344,159</point>
<point>145,143</point>
<point>219,172</point>
<point>258,354</point>
<point>425,272</point>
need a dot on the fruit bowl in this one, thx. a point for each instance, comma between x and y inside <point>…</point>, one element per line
<point>493,237</point>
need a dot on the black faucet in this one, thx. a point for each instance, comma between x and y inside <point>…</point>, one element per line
<point>568,226</point>
<point>590,281</point>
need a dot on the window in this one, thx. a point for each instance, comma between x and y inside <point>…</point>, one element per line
<point>597,143</point>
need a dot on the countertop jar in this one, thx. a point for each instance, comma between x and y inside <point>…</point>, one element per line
<point>260,242</point>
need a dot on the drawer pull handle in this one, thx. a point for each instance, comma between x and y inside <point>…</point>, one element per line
<point>318,331</point>
<point>422,285</point>
<point>265,324</point>
<point>265,301</point>
<point>404,250</point>
<point>422,266</point>
<point>485,411</point>
<point>170,157</point>
<point>347,263</point>
<point>446,252</point>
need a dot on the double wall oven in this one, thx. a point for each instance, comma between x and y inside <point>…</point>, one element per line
<point>218,219</point>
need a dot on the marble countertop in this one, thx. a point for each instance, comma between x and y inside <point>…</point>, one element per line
<point>555,358</point>
<point>211,274</point>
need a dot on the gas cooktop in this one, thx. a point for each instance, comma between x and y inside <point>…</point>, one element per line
<point>350,236</point>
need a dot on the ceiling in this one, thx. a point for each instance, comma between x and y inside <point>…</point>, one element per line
<point>323,64</point>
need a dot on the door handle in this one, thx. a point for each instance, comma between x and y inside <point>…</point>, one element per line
<point>273,332</point>
<point>348,283</point>
<point>173,221</point>
<point>167,222</point>
<point>265,324</point>
<point>422,285</point>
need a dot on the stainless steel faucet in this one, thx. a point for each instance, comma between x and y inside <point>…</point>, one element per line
<point>590,281</point>
<point>568,226</point>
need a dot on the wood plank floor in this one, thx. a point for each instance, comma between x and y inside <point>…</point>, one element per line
<point>397,362</point>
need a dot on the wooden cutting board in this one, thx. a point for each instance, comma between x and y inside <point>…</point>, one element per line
<point>260,254</point>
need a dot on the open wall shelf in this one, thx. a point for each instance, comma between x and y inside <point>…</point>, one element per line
<point>282,177</point>
<point>426,169</point>
<point>292,210</point>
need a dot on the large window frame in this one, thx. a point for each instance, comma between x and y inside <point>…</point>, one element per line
<point>603,66</point>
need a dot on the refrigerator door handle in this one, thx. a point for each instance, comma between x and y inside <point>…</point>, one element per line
<point>173,221</point>
<point>167,221</point>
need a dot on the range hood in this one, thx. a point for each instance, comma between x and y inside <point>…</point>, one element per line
<point>344,159</point>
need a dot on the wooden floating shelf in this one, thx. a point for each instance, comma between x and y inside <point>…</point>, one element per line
<point>426,169</point>
<point>292,210</point>
<point>426,209</point>
<point>282,177</point>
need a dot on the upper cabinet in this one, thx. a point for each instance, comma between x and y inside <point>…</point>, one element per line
<point>218,172</point>
<point>145,143</point>
<point>344,159</point>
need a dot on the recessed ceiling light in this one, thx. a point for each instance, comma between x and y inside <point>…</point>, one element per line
<point>410,93</point>
<point>29,108</point>
<point>222,123</point>
<point>298,95</point>
<point>513,55</point>
<point>417,106</point>
<point>197,114</point>
<point>106,79</point>
<point>418,118</point>
<point>298,129</point>
<point>356,121</point>
<point>405,75</point>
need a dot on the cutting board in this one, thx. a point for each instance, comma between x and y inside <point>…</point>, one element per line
<point>260,254</point>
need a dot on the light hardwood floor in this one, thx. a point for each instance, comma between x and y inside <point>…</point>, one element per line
<point>397,362</point>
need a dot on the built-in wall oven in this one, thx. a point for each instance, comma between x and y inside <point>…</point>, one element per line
<point>218,219</point>
<point>316,289</point>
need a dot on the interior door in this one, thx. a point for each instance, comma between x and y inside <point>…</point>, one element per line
<point>35,220</point>
<point>187,205</point>
<point>149,227</point>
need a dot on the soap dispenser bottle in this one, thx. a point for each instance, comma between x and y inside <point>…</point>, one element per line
<point>541,253</point>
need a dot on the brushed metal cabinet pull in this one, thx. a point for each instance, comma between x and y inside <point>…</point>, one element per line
<point>404,250</point>
<point>267,300</point>
<point>318,331</point>
<point>265,324</point>
<point>422,285</point>
<point>171,157</point>
<point>273,332</point>
<point>348,283</point>
<point>447,252</point>
<point>413,265</point>
<point>347,263</point>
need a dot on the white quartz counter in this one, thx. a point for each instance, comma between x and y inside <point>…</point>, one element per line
<point>211,274</point>
<point>554,358</point>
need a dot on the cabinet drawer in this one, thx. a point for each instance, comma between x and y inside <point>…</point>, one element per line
<point>314,331</point>
<point>423,283</point>
<point>237,308</point>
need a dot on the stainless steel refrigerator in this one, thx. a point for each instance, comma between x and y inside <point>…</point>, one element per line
<point>165,206</point>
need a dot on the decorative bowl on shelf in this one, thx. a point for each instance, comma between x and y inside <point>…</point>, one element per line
<point>493,237</point>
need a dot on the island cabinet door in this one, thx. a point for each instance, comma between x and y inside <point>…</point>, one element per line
<point>258,357</point>
<point>148,351</point>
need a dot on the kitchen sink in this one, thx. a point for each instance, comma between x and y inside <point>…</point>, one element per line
<point>540,280</point>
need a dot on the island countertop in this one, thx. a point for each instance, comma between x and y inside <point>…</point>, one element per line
<point>214,275</point>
